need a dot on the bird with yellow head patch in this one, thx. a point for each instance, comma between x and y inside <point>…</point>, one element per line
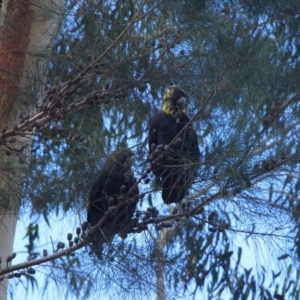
<point>173,145</point>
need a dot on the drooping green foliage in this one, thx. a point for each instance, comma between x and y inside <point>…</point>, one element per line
<point>238,63</point>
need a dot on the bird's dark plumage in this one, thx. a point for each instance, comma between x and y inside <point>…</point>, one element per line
<point>115,183</point>
<point>174,158</point>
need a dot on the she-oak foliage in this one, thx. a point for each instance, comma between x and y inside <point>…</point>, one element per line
<point>238,62</point>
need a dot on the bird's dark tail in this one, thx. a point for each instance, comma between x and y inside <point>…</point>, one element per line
<point>97,248</point>
<point>173,193</point>
<point>97,244</point>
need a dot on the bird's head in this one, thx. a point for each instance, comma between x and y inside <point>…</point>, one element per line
<point>174,101</point>
<point>124,158</point>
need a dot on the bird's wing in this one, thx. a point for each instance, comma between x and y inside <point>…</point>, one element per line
<point>162,129</point>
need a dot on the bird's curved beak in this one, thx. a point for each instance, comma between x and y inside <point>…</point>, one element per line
<point>130,161</point>
<point>181,102</point>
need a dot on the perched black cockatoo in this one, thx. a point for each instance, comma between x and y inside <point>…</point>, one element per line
<point>173,144</point>
<point>115,183</point>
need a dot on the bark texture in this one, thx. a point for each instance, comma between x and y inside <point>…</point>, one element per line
<point>27,29</point>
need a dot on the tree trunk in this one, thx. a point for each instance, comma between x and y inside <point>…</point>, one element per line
<point>160,265</point>
<point>27,29</point>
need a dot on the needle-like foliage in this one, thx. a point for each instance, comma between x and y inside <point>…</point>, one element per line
<point>238,63</point>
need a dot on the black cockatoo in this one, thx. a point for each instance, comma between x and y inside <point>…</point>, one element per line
<point>173,145</point>
<point>115,183</point>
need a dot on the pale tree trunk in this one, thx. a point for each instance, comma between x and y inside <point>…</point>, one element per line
<point>160,265</point>
<point>27,30</point>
